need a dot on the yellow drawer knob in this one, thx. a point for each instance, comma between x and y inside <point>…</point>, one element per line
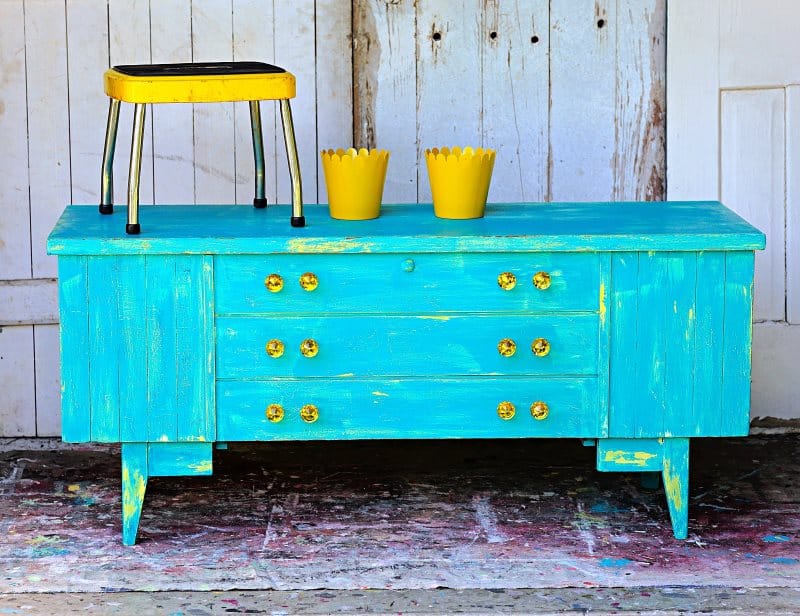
<point>309,281</point>
<point>274,283</point>
<point>309,347</point>
<point>275,348</point>
<point>506,347</point>
<point>274,413</point>
<point>309,413</point>
<point>540,410</point>
<point>506,410</point>
<point>507,281</point>
<point>541,280</point>
<point>540,347</point>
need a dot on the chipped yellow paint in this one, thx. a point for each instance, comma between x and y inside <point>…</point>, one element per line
<point>56,248</point>
<point>323,245</point>
<point>132,493</point>
<point>434,318</point>
<point>201,467</point>
<point>672,486</point>
<point>73,487</point>
<point>199,438</point>
<point>636,458</point>
<point>163,438</point>
<point>346,374</point>
<point>675,306</point>
<point>602,303</point>
<point>380,393</point>
<point>691,314</point>
<point>145,245</point>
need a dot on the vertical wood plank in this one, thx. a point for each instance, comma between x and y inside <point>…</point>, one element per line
<point>295,38</point>
<point>679,339</point>
<point>793,204</point>
<point>18,401</point>
<point>624,314</point>
<point>173,125</point>
<point>385,90</point>
<point>752,163</point>
<point>693,100</point>
<point>133,337</point>
<point>449,79</point>
<point>737,339</point>
<point>675,474</point>
<point>583,43</point>
<point>604,344</point>
<point>46,370</point>
<point>639,157</point>
<point>515,97</point>
<point>214,150</point>
<point>15,237</point>
<point>161,318</point>
<point>87,55</point>
<point>709,289</point>
<point>129,43</point>
<point>254,40</point>
<point>194,343</point>
<point>48,124</point>
<point>334,79</point>
<point>73,302</point>
<point>104,345</point>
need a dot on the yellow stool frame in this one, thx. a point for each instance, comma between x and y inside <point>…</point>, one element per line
<point>210,82</point>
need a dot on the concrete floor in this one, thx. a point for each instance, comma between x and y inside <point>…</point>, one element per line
<point>522,527</point>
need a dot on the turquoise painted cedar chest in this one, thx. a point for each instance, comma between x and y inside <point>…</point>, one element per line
<point>627,325</point>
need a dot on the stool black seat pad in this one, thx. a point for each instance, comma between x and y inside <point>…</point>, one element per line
<point>197,69</point>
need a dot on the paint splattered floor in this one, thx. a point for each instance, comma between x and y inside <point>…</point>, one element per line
<point>401,515</point>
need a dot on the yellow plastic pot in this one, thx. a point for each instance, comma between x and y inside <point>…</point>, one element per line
<point>354,180</point>
<point>459,180</point>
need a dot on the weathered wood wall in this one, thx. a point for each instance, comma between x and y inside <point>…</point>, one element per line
<point>570,93</point>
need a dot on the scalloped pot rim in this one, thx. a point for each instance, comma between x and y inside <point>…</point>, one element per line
<point>457,153</point>
<point>341,154</point>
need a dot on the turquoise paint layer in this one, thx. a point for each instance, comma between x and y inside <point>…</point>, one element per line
<point>179,459</point>
<point>406,408</point>
<point>73,302</point>
<point>629,454</point>
<point>132,327</point>
<point>522,227</point>
<point>675,475</point>
<point>134,485</point>
<point>406,345</point>
<point>624,343</point>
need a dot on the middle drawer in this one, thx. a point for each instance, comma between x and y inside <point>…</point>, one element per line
<point>331,346</point>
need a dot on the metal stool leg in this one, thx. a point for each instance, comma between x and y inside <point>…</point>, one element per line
<point>132,227</point>
<point>107,171</point>
<point>298,220</point>
<point>260,199</point>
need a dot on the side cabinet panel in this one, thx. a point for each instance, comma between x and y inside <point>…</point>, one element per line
<point>680,344</point>
<point>150,337</point>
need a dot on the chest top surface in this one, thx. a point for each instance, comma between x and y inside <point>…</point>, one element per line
<point>521,227</point>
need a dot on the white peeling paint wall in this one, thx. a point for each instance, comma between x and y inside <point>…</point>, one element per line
<point>570,93</point>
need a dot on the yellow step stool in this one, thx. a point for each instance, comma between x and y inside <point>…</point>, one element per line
<point>208,82</point>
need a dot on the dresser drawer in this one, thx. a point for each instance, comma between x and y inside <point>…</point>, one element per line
<point>407,345</point>
<point>396,283</point>
<point>408,408</point>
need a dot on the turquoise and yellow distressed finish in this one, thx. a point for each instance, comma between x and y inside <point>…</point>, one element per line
<point>629,322</point>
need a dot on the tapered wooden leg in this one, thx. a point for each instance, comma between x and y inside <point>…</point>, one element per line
<point>134,484</point>
<point>675,473</point>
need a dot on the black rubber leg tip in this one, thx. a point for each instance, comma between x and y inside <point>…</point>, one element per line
<point>298,221</point>
<point>259,203</point>
<point>132,229</point>
<point>106,208</point>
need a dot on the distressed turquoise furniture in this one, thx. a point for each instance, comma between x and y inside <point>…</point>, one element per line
<point>625,324</point>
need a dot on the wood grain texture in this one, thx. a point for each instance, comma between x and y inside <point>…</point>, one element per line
<point>173,125</point>
<point>449,75</point>
<point>423,283</point>
<point>693,100</point>
<point>393,408</point>
<point>515,42</point>
<point>18,402</point>
<point>28,302</point>
<point>87,55</point>
<point>48,125</point>
<point>134,484</point>
<point>179,459</point>
<point>385,90</point>
<point>374,346</point>
<point>15,235</point>
<point>792,204</point>
<point>46,351</point>
<point>555,227</point>
<point>752,162</point>
<point>675,475</point>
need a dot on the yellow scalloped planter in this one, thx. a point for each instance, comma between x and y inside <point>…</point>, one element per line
<point>354,180</point>
<point>459,180</point>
